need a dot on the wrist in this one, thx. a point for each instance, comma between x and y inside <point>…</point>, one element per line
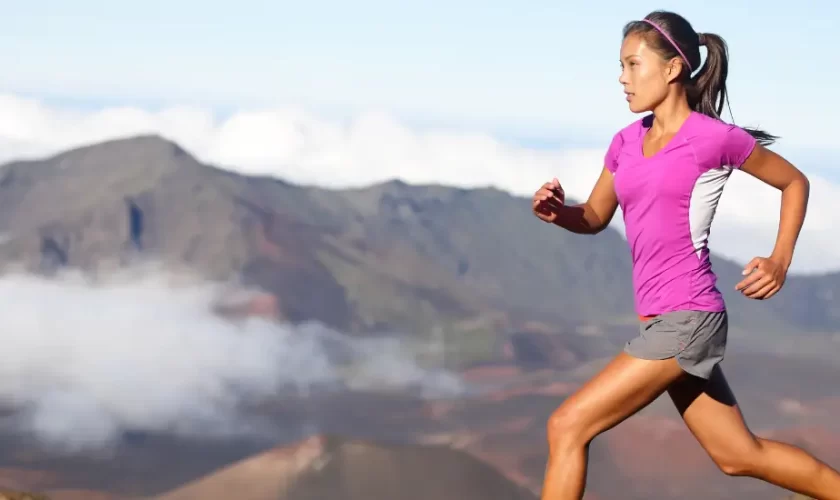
<point>783,258</point>
<point>573,218</point>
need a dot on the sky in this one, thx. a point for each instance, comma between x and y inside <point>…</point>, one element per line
<point>466,93</point>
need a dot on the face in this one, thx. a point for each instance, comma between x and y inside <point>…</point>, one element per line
<point>645,75</point>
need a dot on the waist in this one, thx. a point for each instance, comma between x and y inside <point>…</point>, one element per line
<point>684,287</point>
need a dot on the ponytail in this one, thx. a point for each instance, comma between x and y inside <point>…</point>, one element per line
<point>707,88</point>
<point>673,36</point>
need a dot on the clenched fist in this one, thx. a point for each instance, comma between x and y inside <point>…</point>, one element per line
<point>548,200</point>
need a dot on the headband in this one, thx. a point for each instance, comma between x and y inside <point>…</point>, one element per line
<point>662,32</point>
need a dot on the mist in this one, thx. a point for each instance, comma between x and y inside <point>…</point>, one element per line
<point>84,361</point>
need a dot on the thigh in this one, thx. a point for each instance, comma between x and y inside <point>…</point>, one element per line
<point>711,412</point>
<point>623,387</point>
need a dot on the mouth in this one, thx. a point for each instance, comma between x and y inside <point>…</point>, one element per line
<point>629,95</point>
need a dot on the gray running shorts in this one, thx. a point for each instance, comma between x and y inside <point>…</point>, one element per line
<point>696,338</point>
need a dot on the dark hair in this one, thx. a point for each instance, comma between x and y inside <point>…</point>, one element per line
<point>706,90</point>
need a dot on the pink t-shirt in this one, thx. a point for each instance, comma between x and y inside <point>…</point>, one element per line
<point>669,201</point>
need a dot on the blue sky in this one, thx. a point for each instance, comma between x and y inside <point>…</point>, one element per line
<point>540,69</point>
<point>320,91</point>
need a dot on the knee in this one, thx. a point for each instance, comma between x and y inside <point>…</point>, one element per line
<point>568,427</point>
<point>743,462</point>
<point>734,468</point>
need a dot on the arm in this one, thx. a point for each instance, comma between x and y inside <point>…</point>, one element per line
<point>590,217</point>
<point>774,170</point>
<point>595,214</point>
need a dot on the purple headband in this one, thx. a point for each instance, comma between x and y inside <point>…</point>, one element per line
<point>662,32</point>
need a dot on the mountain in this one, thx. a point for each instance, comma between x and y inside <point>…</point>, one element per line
<point>540,308</point>
<point>388,257</point>
<point>331,467</point>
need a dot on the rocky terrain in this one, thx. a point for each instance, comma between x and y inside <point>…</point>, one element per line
<point>524,313</point>
<point>390,256</point>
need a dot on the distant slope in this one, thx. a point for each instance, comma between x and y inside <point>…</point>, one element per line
<point>335,468</point>
<point>387,257</point>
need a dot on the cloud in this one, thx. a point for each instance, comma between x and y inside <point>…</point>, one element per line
<point>302,147</point>
<point>86,361</point>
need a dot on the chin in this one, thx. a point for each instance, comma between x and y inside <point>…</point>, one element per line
<point>635,108</point>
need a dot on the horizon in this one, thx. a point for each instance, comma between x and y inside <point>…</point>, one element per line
<point>232,226</point>
<point>616,225</point>
<point>460,95</point>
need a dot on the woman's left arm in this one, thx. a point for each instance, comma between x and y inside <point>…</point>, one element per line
<point>765,276</point>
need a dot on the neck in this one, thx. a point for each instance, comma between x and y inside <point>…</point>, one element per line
<point>670,114</point>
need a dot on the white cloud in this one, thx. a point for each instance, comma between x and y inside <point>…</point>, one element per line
<point>143,351</point>
<point>301,147</point>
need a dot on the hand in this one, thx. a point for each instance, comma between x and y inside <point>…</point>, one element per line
<point>548,200</point>
<point>764,278</point>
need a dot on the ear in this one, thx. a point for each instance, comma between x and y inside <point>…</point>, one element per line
<point>673,69</point>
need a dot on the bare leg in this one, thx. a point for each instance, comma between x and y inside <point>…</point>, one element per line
<point>622,388</point>
<point>712,414</point>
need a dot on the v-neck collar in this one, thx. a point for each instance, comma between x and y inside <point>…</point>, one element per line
<point>645,129</point>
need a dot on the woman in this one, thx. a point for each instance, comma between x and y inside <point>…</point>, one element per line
<point>667,171</point>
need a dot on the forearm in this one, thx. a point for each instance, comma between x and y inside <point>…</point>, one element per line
<point>792,216</point>
<point>580,219</point>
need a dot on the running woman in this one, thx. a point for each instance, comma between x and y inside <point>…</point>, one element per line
<point>667,172</point>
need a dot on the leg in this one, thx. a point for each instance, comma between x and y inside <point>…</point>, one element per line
<point>712,415</point>
<point>623,387</point>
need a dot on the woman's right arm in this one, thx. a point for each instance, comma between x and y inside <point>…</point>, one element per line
<point>590,217</point>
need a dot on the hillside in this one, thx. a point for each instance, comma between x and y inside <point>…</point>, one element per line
<point>540,308</point>
<point>652,456</point>
<point>331,467</point>
<point>387,257</point>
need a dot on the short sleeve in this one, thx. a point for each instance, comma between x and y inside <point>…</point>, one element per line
<point>611,158</point>
<point>736,145</point>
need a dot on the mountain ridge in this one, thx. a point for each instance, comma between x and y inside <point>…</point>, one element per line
<point>387,256</point>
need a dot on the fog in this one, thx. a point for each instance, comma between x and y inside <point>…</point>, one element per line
<point>84,361</point>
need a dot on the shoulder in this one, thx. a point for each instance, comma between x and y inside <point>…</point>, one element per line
<point>710,126</point>
<point>627,135</point>
<point>632,131</point>
<point>720,144</point>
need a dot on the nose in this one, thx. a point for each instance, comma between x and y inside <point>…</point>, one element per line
<point>622,78</point>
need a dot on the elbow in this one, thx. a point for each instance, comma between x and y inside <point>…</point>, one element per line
<point>801,182</point>
<point>601,224</point>
<point>596,229</point>
<point>796,182</point>
<point>801,178</point>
